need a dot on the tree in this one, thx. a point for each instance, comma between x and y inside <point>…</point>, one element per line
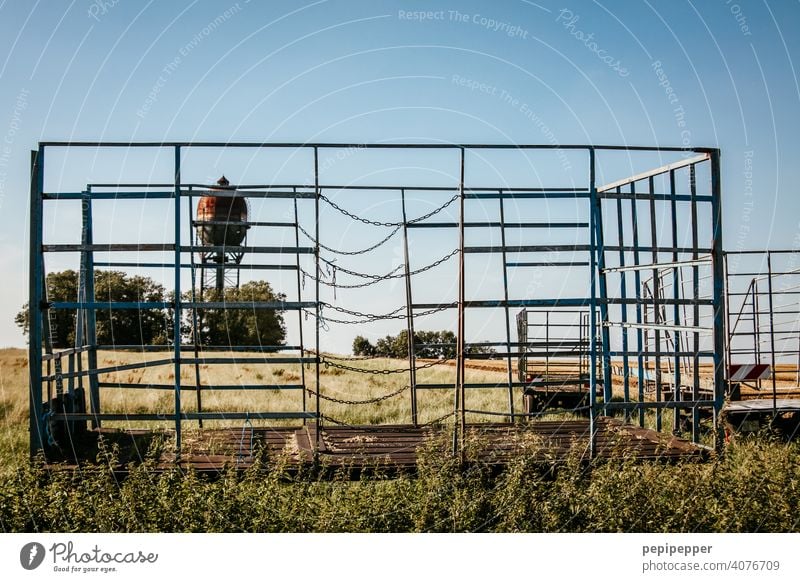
<point>114,326</point>
<point>154,326</point>
<point>427,344</point>
<point>255,326</point>
<point>363,347</point>
<point>61,286</point>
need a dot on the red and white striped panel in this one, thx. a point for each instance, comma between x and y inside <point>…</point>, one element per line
<point>749,372</point>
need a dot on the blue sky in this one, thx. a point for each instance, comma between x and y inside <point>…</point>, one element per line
<point>716,73</point>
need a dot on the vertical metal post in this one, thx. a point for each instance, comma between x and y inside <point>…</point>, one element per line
<point>695,307</point>
<point>35,283</point>
<point>87,238</point>
<point>603,288</point>
<point>593,245</point>
<point>460,424</point>
<point>728,314</point>
<point>176,324</point>
<point>676,318</point>
<point>637,281</point>
<point>317,278</point>
<point>756,305</point>
<point>195,318</point>
<point>299,299</point>
<point>656,304</point>
<point>719,299</point>
<point>412,356</point>
<point>71,371</point>
<point>509,366</point>
<point>772,336</point>
<point>547,348</point>
<point>623,293</point>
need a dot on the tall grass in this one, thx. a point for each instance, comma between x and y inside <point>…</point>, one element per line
<point>754,486</point>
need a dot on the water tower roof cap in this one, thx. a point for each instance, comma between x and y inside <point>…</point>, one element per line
<point>223,181</point>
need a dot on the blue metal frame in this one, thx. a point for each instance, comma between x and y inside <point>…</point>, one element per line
<point>598,301</point>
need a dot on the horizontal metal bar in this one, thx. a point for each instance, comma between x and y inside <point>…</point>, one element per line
<point>142,386</point>
<point>762,273</point>
<point>452,305</point>
<point>558,343</point>
<point>202,348</point>
<point>527,249</point>
<point>658,327</point>
<point>240,267</point>
<point>238,193</point>
<point>118,264</point>
<point>235,360</point>
<point>572,354</point>
<point>561,302</point>
<point>764,293</point>
<point>763,252</point>
<point>109,195</point>
<point>247,415</point>
<point>500,224</point>
<point>662,197</point>
<point>789,332</point>
<point>170,416</point>
<point>525,195</point>
<point>242,223</point>
<point>494,355</point>
<point>193,387</point>
<point>581,382</point>
<point>651,353</point>
<point>658,249</point>
<point>226,266</point>
<point>101,305</point>
<point>107,248</point>
<point>680,404</point>
<point>472,385</point>
<point>539,312</point>
<point>64,353</point>
<point>237,249</point>
<point>277,305</point>
<point>656,172</point>
<point>550,264</point>
<point>670,265</point>
<point>109,369</point>
<point>334,145</point>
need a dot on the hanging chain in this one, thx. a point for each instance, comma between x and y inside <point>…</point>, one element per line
<point>384,372</point>
<point>373,279</point>
<point>371,317</point>
<point>387,224</point>
<point>340,252</point>
<point>354,402</point>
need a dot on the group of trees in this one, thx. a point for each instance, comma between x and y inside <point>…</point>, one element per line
<point>154,326</point>
<point>427,344</point>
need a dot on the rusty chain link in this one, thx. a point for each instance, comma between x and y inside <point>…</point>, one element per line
<point>384,372</point>
<point>387,224</point>
<point>373,279</point>
<point>354,402</point>
<point>349,253</point>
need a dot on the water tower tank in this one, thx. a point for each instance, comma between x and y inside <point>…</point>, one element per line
<point>226,215</point>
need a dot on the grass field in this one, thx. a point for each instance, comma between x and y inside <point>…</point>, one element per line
<point>754,486</point>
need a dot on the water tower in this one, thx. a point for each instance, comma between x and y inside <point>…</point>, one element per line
<point>222,227</point>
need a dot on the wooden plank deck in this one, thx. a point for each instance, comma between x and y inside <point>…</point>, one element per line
<point>392,447</point>
<point>762,405</point>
